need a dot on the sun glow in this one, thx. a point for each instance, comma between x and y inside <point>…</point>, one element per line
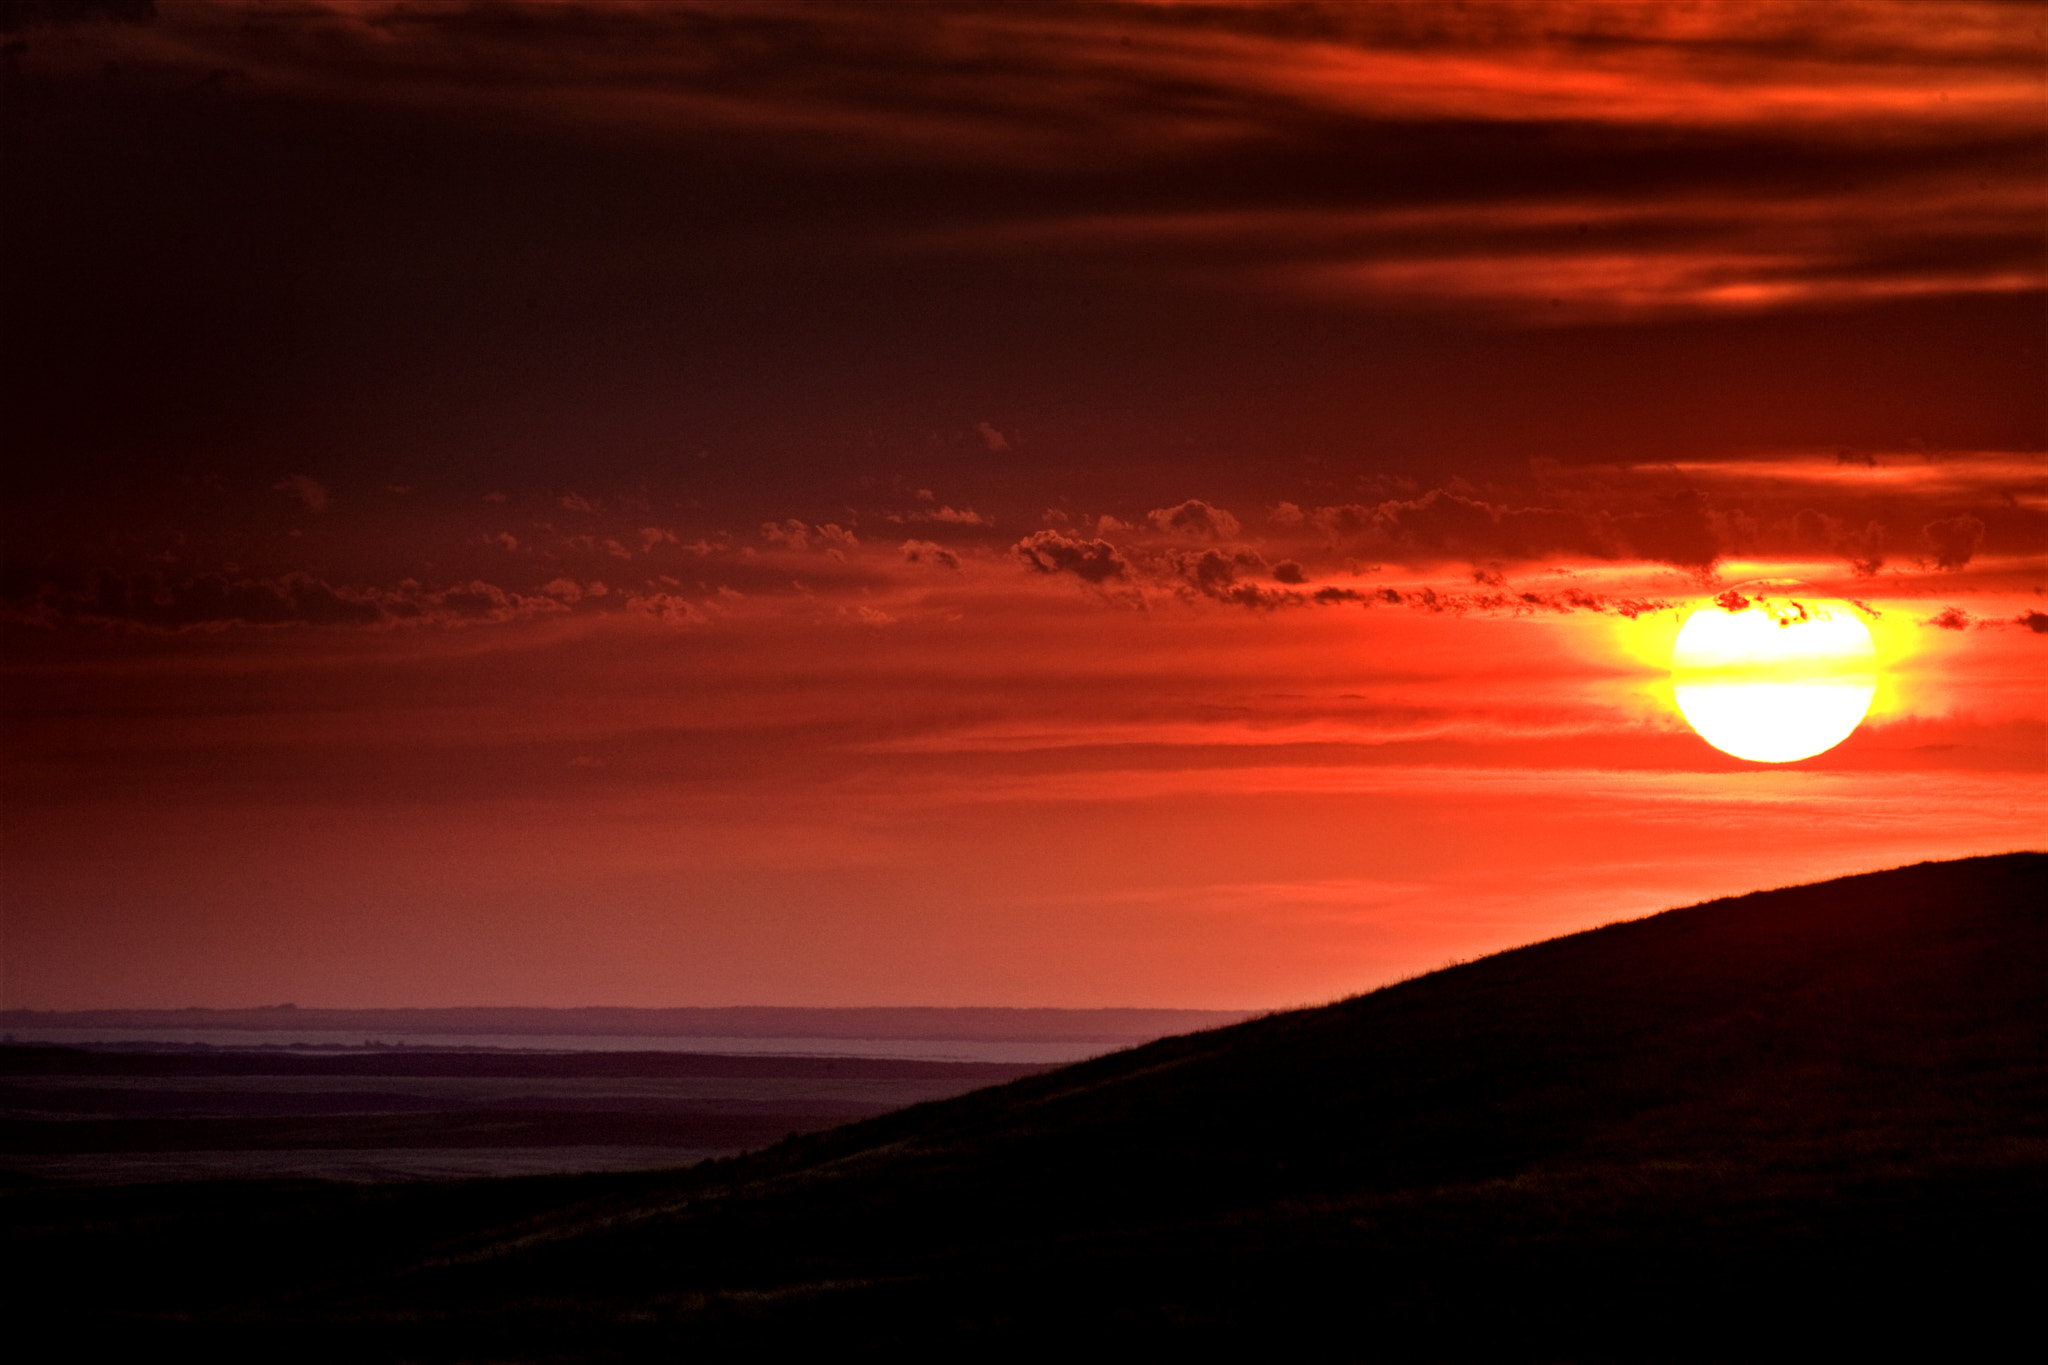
<point>1773,676</point>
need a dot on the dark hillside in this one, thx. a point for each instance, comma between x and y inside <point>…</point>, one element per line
<point>1806,1121</point>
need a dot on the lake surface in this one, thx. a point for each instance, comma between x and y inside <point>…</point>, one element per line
<point>1027,1052</point>
<point>433,1094</point>
<point>180,1109</point>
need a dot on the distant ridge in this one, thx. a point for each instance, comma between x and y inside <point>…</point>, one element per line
<point>938,1023</point>
<point>1803,1124</point>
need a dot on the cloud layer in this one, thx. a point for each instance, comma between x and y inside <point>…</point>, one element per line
<point>1718,158</point>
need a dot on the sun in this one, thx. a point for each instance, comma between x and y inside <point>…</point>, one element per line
<point>1769,674</point>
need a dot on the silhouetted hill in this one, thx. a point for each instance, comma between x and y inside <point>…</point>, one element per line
<point>1805,1122</point>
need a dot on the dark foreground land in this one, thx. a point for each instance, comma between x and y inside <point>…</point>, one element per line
<point>1806,1123</point>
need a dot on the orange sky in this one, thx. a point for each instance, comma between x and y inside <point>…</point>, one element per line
<point>560,503</point>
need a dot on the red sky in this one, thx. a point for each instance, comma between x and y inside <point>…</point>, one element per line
<point>1108,504</point>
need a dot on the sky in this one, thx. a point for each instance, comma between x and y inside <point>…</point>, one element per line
<point>561,502</point>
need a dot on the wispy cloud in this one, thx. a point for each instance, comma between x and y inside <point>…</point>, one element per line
<point>1898,232</point>
<point>950,75</point>
<point>1722,158</point>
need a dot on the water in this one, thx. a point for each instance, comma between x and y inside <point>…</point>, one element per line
<point>1018,1052</point>
<point>200,1104</point>
<point>358,1165</point>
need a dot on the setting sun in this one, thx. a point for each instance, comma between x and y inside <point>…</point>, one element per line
<point>1774,677</point>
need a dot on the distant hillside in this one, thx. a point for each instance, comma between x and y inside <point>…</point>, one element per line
<point>1809,1122</point>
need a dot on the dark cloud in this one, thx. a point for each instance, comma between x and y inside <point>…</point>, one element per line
<point>1675,529</point>
<point>1863,549</point>
<point>1260,598</point>
<point>1949,618</point>
<point>2036,621</point>
<point>1196,519</point>
<point>1219,575</point>
<point>1052,552</point>
<point>1440,521</point>
<point>1763,509</point>
<point>668,608</point>
<point>1954,540</point>
<point>1562,602</point>
<point>795,535</point>
<point>1287,571</point>
<point>946,515</point>
<point>1212,571</point>
<point>1214,574</point>
<point>926,552</point>
<point>214,601</point>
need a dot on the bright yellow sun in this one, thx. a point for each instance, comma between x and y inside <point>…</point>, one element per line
<point>1768,674</point>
